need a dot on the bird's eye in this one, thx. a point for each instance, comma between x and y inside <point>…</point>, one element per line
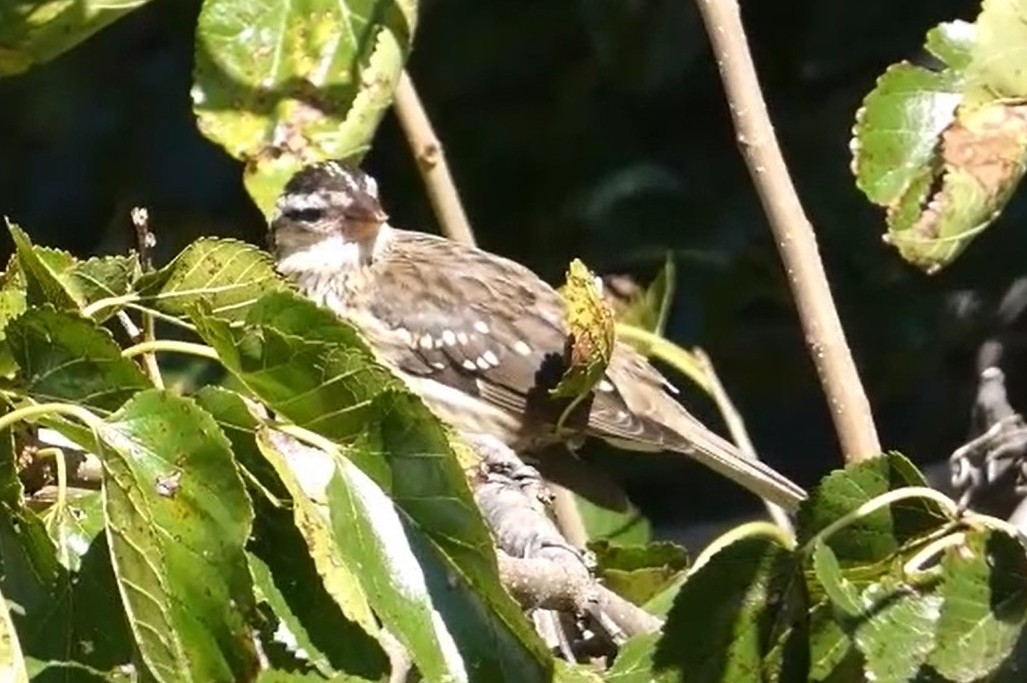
<point>305,215</point>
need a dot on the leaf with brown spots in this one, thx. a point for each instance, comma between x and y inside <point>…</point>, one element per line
<point>179,560</point>
<point>280,84</point>
<point>943,150</point>
<point>225,274</point>
<point>590,336</point>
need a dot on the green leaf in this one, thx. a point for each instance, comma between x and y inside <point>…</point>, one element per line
<point>895,147</point>
<point>996,69</point>
<point>877,536</point>
<point>30,574</point>
<point>984,605</point>
<point>833,656</point>
<point>12,304</point>
<point>338,570</point>
<point>64,357</point>
<point>12,663</point>
<point>896,631</point>
<point>102,278</point>
<point>639,573</point>
<point>634,663</point>
<point>226,275</point>
<point>574,673</point>
<point>73,525</point>
<point>627,527</point>
<point>953,43</point>
<point>177,519</point>
<point>282,555</point>
<point>279,85</point>
<point>82,621</point>
<point>843,595</point>
<point>369,530</point>
<point>728,613</point>
<point>313,369</point>
<point>58,278</point>
<point>661,603</point>
<point>33,32</point>
<point>305,616</point>
<point>944,150</point>
<point>650,309</point>
<point>43,269</point>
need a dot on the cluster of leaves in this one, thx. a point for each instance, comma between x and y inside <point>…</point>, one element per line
<point>886,583</point>
<point>221,547</point>
<point>277,85</point>
<point>177,566</point>
<point>944,148</point>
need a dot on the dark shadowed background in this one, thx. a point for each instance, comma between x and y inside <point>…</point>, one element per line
<point>595,129</point>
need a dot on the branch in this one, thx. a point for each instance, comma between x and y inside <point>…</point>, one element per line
<point>536,563</point>
<point>145,242</point>
<point>793,233</point>
<point>431,162</point>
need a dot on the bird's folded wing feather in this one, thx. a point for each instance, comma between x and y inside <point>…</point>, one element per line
<point>489,327</point>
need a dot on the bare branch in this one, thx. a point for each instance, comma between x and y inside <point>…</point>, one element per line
<point>796,242</point>
<point>536,563</point>
<point>431,162</point>
<point>145,242</point>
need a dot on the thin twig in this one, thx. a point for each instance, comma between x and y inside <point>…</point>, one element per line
<point>145,242</point>
<point>739,434</point>
<point>431,162</point>
<point>796,242</point>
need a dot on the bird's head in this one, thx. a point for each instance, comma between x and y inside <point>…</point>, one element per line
<point>327,218</point>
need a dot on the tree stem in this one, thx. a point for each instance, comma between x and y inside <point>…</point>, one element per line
<point>793,233</point>
<point>431,162</point>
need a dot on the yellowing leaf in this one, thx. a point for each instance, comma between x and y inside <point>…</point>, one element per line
<point>590,333</point>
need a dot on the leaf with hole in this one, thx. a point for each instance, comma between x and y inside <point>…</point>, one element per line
<point>279,85</point>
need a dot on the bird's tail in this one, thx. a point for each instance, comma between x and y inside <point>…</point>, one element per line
<point>687,435</point>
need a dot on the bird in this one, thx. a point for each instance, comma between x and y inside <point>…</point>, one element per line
<point>479,337</point>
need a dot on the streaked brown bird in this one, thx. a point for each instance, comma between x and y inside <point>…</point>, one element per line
<point>479,337</point>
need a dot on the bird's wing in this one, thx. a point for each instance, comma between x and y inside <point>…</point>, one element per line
<point>487,326</point>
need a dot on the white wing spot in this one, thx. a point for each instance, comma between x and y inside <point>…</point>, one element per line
<point>469,364</point>
<point>448,337</point>
<point>481,326</point>
<point>404,336</point>
<point>522,348</point>
<point>604,385</point>
<point>482,363</point>
<point>490,358</point>
<point>461,337</point>
<point>426,342</point>
<point>438,365</point>
<point>622,415</point>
